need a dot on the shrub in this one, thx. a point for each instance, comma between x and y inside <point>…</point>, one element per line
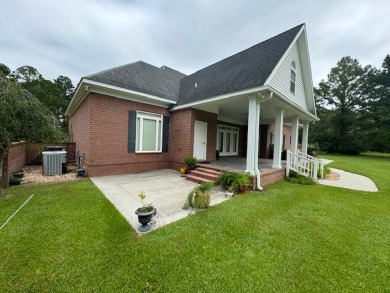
<point>294,177</point>
<point>15,181</point>
<point>190,162</point>
<point>233,181</point>
<point>241,183</point>
<point>200,196</point>
<point>226,179</point>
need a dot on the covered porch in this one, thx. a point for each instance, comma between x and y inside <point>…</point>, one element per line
<point>249,111</point>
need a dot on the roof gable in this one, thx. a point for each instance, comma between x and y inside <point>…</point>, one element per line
<point>249,68</point>
<point>280,77</point>
<point>139,76</point>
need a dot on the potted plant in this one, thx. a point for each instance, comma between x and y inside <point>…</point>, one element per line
<point>190,162</point>
<point>144,213</point>
<point>80,172</point>
<point>15,181</point>
<point>18,174</point>
<point>200,196</point>
<point>241,183</point>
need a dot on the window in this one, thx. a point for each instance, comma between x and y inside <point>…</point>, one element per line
<point>293,77</point>
<point>227,140</point>
<point>148,132</point>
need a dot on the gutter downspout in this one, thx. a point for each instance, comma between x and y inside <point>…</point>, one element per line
<point>256,155</point>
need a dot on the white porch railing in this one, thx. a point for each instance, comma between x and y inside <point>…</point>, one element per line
<point>304,164</point>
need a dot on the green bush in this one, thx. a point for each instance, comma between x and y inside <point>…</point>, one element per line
<point>190,162</point>
<point>200,196</point>
<point>233,181</point>
<point>226,179</point>
<point>294,177</point>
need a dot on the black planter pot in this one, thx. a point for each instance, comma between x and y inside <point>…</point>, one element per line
<point>144,218</point>
<point>80,172</point>
<point>18,174</point>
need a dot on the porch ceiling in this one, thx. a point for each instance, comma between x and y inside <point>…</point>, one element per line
<point>235,110</point>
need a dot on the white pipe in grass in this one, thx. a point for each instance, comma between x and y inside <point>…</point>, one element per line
<point>16,212</point>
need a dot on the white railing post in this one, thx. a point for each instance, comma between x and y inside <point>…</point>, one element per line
<point>315,170</point>
<point>322,168</point>
<point>288,163</point>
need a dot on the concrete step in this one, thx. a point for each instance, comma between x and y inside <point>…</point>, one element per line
<point>197,179</point>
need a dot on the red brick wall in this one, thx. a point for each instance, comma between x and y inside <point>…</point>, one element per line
<point>180,137</point>
<point>14,161</point>
<point>272,176</point>
<point>102,134</point>
<point>34,151</point>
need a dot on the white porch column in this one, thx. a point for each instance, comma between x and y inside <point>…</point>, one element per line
<point>252,157</point>
<point>277,162</point>
<point>305,136</point>
<point>294,134</point>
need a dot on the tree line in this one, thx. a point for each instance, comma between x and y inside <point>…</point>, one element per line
<point>353,105</point>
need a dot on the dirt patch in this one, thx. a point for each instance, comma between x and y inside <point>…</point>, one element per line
<point>332,176</point>
<point>33,175</point>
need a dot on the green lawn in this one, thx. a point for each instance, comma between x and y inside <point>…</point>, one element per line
<point>290,238</point>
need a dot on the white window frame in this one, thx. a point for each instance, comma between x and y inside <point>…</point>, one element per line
<point>293,77</point>
<point>141,116</point>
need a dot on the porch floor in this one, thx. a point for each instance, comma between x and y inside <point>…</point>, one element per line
<point>238,164</point>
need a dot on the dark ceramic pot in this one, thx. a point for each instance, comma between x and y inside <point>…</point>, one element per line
<point>144,218</point>
<point>19,174</point>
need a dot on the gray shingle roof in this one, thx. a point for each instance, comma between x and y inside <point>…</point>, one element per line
<point>139,76</point>
<point>243,70</point>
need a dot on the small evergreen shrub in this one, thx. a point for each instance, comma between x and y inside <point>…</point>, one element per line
<point>294,177</point>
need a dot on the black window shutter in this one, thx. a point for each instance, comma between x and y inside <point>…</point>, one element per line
<point>165,141</point>
<point>132,131</point>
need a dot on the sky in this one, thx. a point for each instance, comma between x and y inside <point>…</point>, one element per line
<point>76,38</point>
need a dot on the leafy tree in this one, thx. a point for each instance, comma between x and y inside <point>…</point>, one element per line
<point>378,110</point>
<point>23,115</point>
<point>340,99</point>
<point>55,95</point>
<point>4,70</point>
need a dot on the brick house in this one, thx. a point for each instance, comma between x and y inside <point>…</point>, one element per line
<point>139,117</point>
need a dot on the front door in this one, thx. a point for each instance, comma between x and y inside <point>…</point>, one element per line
<point>200,140</point>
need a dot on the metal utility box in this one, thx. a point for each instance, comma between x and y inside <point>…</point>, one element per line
<point>52,162</point>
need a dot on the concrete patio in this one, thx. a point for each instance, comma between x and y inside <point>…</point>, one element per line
<point>165,189</point>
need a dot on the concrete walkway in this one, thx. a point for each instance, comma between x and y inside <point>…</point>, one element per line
<point>349,180</point>
<point>165,189</point>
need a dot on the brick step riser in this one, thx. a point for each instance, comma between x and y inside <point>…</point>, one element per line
<point>208,171</point>
<point>205,175</point>
<point>196,179</point>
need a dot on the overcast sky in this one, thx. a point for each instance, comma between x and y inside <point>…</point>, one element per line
<point>78,38</point>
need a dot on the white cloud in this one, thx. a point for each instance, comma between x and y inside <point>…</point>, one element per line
<point>77,38</point>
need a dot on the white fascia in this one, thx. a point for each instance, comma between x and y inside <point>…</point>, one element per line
<point>115,91</point>
<point>220,98</point>
<point>131,92</point>
<point>297,107</point>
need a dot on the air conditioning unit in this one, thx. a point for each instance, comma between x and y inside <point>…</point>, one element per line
<point>52,162</point>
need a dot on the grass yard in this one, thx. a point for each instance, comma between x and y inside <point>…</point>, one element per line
<point>290,238</point>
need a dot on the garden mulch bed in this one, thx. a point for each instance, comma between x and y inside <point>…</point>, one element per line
<point>33,175</point>
<point>332,176</point>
